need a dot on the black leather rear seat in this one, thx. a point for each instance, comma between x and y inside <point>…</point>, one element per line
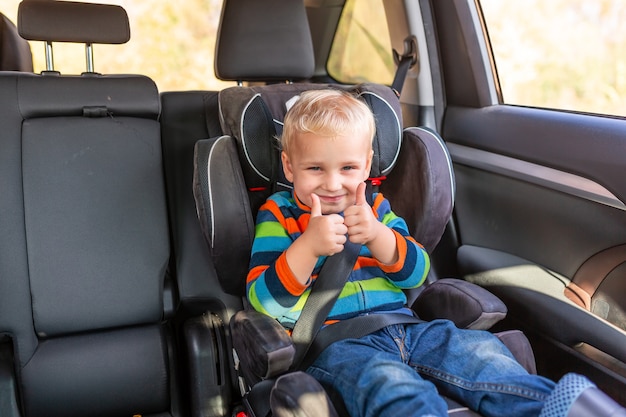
<point>84,243</point>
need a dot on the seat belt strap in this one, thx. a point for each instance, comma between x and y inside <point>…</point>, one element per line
<point>353,328</point>
<point>325,291</point>
<point>404,62</point>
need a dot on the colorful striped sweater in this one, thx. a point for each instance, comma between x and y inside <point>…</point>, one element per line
<point>372,287</point>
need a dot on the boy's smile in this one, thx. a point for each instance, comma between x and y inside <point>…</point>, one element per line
<point>331,167</point>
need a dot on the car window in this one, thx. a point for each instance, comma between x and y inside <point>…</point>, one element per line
<point>171,42</point>
<point>361,50</point>
<point>560,54</point>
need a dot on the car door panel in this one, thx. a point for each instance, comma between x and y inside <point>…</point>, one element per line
<point>555,210</point>
<point>540,218</point>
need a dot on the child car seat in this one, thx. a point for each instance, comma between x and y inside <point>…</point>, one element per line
<point>236,172</point>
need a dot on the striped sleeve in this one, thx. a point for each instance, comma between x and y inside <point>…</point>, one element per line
<point>271,286</point>
<point>413,264</point>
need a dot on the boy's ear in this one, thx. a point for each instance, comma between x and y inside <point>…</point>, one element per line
<point>286,166</point>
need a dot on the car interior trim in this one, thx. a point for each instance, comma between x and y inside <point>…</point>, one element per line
<point>536,174</point>
<point>485,58</point>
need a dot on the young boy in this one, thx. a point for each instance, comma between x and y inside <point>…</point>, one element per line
<point>399,370</point>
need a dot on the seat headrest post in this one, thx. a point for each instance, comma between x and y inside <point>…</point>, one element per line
<point>49,57</point>
<point>89,57</point>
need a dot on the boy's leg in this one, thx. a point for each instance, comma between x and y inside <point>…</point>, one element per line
<point>373,381</point>
<point>474,367</point>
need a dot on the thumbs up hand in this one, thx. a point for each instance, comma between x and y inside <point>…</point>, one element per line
<point>360,220</point>
<point>316,206</point>
<point>326,233</point>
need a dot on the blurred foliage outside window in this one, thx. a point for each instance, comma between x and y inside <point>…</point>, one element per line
<point>171,42</point>
<point>361,50</point>
<point>560,54</point>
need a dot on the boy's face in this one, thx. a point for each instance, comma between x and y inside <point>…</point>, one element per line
<point>331,167</point>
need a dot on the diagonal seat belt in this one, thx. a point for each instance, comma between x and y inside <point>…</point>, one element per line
<point>325,291</point>
<point>404,62</point>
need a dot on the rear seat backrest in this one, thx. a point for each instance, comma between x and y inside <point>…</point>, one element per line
<point>84,237</point>
<point>93,201</point>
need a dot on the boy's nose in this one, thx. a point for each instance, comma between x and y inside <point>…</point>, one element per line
<point>332,182</point>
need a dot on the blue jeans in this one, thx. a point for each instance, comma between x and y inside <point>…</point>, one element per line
<point>401,370</point>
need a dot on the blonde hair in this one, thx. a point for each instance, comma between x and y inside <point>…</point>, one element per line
<point>327,113</point>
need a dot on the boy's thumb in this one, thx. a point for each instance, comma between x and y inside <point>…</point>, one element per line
<point>360,194</point>
<point>316,207</point>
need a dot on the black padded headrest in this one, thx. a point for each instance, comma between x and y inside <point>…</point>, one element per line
<point>64,21</point>
<point>15,54</point>
<point>265,40</point>
<point>253,115</point>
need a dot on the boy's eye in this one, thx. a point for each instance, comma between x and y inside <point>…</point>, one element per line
<point>313,168</point>
<point>348,168</point>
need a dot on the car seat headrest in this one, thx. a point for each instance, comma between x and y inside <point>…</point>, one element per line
<point>254,116</point>
<point>64,21</point>
<point>15,54</point>
<point>247,50</point>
